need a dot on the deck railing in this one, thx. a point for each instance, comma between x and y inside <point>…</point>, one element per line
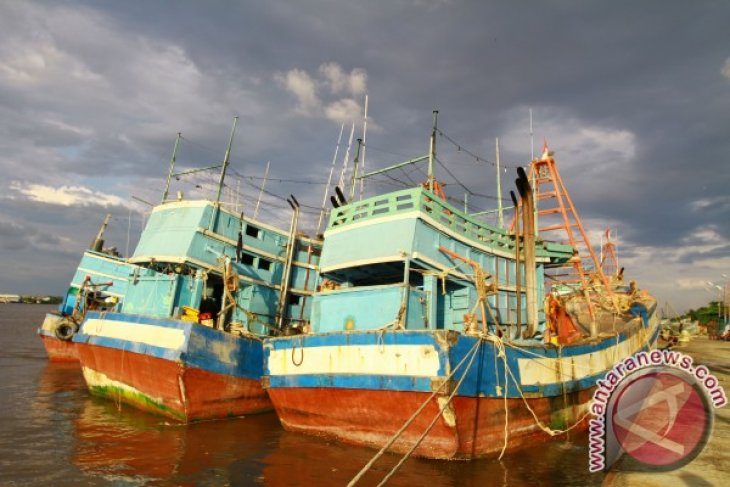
<point>425,202</point>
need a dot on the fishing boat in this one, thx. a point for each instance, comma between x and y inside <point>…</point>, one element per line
<point>211,283</point>
<point>437,334</point>
<point>99,283</point>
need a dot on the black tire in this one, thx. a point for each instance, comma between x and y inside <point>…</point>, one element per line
<point>66,330</point>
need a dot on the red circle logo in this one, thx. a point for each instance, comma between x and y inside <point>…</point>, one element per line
<point>662,419</point>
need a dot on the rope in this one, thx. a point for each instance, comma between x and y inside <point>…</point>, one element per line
<point>410,420</point>
<point>546,429</point>
<point>499,345</point>
<point>433,421</point>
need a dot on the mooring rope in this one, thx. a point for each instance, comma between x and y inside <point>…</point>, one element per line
<point>433,421</point>
<point>410,420</point>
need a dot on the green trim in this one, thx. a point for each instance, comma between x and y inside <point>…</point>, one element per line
<point>116,393</point>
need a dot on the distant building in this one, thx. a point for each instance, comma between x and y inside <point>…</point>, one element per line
<point>9,298</point>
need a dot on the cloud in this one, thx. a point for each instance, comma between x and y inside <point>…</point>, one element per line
<point>725,71</point>
<point>299,83</point>
<point>576,141</point>
<point>318,96</point>
<point>344,110</point>
<point>718,203</point>
<point>338,81</point>
<point>67,195</point>
<point>18,237</point>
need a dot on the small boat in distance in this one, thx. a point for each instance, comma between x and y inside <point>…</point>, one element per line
<point>436,333</point>
<point>209,285</point>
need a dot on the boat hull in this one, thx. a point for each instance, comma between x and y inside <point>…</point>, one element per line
<point>362,387</point>
<point>57,350</point>
<point>470,428</point>
<point>180,370</point>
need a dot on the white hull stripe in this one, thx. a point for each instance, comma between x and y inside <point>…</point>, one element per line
<point>405,360</point>
<point>157,336</point>
<point>543,371</point>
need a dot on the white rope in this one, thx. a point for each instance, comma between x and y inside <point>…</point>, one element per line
<point>433,421</point>
<point>410,420</point>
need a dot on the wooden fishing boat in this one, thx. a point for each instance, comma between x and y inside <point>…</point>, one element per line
<point>436,333</point>
<point>209,284</point>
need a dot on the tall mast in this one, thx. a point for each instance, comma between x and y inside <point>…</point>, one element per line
<point>355,164</point>
<point>364,139</point>
<point>329,180</point>
<point>500,212</point>
<point>172,167</point>
<point>226,159</point>
<point>532,140</point>
<point>347,156</point>
<point>261,192</point>
<point>432,151</point>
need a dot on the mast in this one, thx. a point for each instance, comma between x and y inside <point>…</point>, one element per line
<point>329,180</point>
<point>172,166</point>
<point>364,138</point>
<point>432,151</point>
<point>347,156</point>
<point>355,163</point>
<point>532,140</point>
<point>226,160</point>
<point>261,192</point>
<point>500,211</point>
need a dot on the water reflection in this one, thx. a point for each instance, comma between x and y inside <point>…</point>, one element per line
<point>117,442</point>
<point>109,443</point>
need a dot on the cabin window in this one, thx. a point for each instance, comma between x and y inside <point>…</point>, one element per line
<point>247,259</point>
<point>252,231</point>
<point>404,206</point>
<point>378,211</point>
<point>264,264</point>
<point>403,197</point>
<point>295,300</point>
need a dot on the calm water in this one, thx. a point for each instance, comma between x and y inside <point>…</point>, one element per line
<point>53,433</point>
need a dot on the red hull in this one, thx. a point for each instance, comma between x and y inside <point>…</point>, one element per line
<point>169,388</point>
<point>470,428</point>
<point>60,350</point>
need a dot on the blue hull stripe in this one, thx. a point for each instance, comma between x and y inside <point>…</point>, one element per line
<point>485,378</point>
<point>204,348</point>
<point>369,382</point>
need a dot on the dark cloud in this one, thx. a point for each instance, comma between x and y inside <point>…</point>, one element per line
<point>631,96</point>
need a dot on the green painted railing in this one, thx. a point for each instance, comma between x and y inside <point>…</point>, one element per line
<point>444,214</point>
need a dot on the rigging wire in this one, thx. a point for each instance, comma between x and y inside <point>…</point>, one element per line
<point>476,157</point>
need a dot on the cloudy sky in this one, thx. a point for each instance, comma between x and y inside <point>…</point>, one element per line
<point>634,98</point>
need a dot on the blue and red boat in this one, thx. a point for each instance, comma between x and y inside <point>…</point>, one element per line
<point>208,286</point>
<point>435,331</point>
